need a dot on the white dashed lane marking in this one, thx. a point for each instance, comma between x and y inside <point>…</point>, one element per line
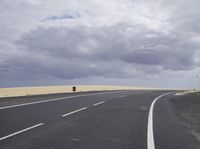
<point>21,131</point>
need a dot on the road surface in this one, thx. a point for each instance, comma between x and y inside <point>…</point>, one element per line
<point>93,120</point>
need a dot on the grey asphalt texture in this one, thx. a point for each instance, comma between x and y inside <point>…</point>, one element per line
<point>119,123</point>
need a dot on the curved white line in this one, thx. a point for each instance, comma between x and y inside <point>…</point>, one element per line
<point>150,135</point>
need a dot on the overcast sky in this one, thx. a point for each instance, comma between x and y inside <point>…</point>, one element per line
<point>152,43</point>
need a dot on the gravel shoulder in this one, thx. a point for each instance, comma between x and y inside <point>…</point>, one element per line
<point>187,108</point>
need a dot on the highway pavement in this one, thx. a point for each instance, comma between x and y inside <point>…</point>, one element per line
<point>93,120</point>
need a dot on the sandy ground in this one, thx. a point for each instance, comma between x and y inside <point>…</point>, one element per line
<point>26,91</point>
<point>187,108</point>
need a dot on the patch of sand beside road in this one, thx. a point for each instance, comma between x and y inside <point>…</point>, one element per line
<point>27,91</point>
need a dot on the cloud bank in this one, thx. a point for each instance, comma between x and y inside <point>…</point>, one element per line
<point>122,42</point>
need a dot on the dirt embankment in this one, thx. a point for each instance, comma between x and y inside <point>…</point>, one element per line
<point>187,108</point>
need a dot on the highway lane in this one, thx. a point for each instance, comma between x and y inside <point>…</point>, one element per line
<point>17,118</point>
<point>113,120</point>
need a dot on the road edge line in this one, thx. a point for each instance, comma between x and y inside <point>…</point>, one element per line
<point>150,135</point>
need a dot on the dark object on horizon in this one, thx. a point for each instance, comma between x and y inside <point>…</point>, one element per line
<point>74,88</point>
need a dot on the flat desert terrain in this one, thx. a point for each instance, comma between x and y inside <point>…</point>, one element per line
<point>27,91</point>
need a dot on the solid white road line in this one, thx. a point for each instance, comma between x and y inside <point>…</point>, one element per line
<point>74,111</point>
<point>150,135</point>
<point>55,99</point>
<point>96,104</point>
<point>18,132</point>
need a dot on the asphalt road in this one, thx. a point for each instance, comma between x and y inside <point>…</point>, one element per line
<point>96,120</point>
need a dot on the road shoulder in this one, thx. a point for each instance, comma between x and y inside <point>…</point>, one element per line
<point>187,108</point>
<point>169,132</point>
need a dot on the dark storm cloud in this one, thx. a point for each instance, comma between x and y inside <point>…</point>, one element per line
<point>28,64</point>
<point>118,42</point>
